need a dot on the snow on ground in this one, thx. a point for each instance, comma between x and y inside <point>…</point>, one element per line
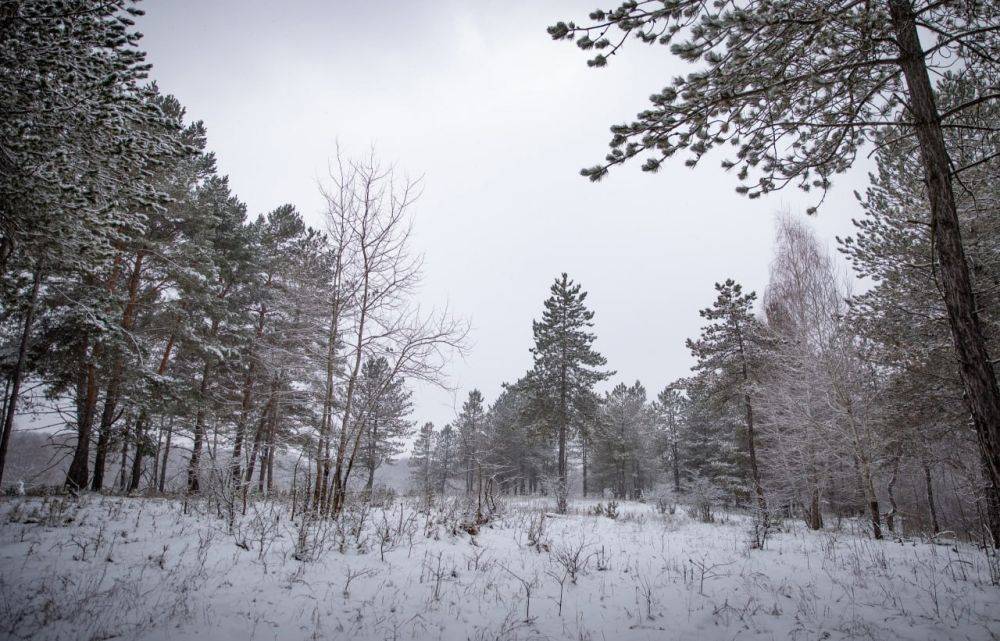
<point>108,567</point>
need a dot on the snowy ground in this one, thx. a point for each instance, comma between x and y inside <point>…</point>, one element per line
<point>143,569</point>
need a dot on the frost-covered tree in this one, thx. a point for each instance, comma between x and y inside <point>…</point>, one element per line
<point>566,367</point>
<point>79,135</point>
<point>904,317</point>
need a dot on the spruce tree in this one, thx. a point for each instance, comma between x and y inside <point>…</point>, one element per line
<point>566,368</point>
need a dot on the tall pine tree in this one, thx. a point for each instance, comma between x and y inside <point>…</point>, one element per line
<point>566,367</point>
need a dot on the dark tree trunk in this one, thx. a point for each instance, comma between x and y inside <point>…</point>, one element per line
<point>123,470</point>
<point>76,478</point>
<point>104,433</point>
<point>890,518</point>
<point>241,424</point>
<point>975,367</point>
<point>562,491</point>
<point>194,463</point>
<point>815,513</point>
<point>758,487</point>
<point>166,455</point>
<point>18,373</point>
<point>140,451</point>
<point>141,445</point>
<point>931,509</point>
<point>677,466</point>
<point>269,486</point>
<point>258,440</point>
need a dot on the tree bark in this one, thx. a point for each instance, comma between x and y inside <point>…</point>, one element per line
<point>166,455</point>
<point>76,477</point>
<point>194,463</point>
<point>978,377</point>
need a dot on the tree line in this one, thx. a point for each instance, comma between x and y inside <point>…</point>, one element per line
<point>811,403</point>
<point>143,302</point>
<point>795,92</point>
<point>821,399</point>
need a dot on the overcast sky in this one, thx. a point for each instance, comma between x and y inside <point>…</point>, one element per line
<point>498,119</point>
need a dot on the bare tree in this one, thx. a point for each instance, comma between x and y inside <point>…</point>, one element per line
<point>369,206</point>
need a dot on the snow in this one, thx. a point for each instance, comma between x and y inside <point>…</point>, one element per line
<point>134,568</point>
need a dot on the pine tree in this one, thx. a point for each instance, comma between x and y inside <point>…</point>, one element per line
<point>566,368</point>
<point>668,412</point>
<point>727,351</point>
<point>622,441</point>
<point>445,449</point>
<point>471,423</point>
<point>422,461</point>
<point>79,135</point>
<point>383,407</point>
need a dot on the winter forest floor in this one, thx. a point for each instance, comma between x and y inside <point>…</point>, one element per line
<point>111,567</point>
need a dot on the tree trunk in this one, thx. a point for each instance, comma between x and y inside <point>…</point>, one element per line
<point>752,451</point>
<point>104,435</point>
<point>140,451</point>
<point>143,420</point>
<point>17,374</point>
<point>76,477</point>
<point>758,487</point>
<point>869,487</point>
<point>123,470</point>
<point>562,491</point>
<point>677,467</point>
<point>932,510</point>
<point>975,367</point>
<point>340,483</point>
<point>890,518</point>
<point>815,512</point>
<point>241,424</point>
<point>269,486</point>
<point>194,463</point>
<point>372,463</point>
<point>166,455</point>
<point>108,416</point>
<point>258,440</point>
